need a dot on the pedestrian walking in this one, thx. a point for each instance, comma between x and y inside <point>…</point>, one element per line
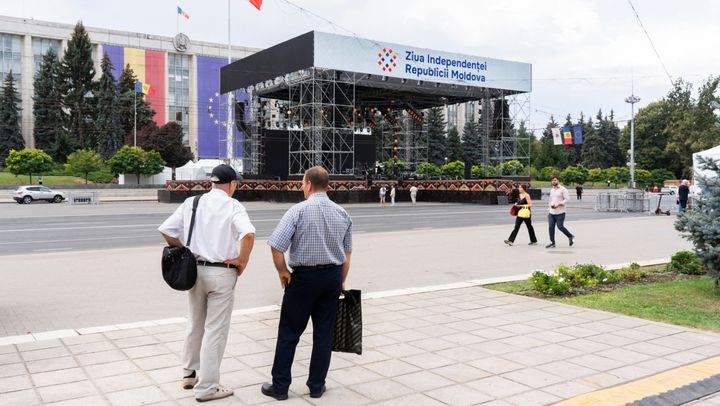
<point>413,194</point>
<point>579,191</point>
<point>318,234</point>
<point>556,216</point>
<point>383,191</point>
<point>683,194</point>
<point>524,202</point>
<point>222,240</point>
<point>392,195</point>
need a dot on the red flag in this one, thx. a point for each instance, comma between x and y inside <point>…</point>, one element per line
<point>256,3</point>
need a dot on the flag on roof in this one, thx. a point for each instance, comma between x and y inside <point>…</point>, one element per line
<point>183,13</point>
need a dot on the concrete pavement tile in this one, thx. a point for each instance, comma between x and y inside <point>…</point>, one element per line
<point>630,372</point>
<point>496,365</point>
<point>101,357</point>
<point>157,362</point>
<point>20,398</point>
<point>472,305</point>
<point>245,377</point>
<point>17,339</point>
<point>465,325</point>
<point>523,342</point>
<point>166,328</point>
<point>700,338</point>
<point>55,334</point>
<point>462,338</point>
<point>658,365</point>
<point>460,373</point>
<point>400,350</point>
<point>586,346</point>
<point>118,334</point>
<point>67,391</point>
<point>660,329</point>
<point>383,327</point>
<point>595,315</point>
<point>341,396</point>
<point>599,326</point>
<point>563,309</point>
<point>392,367</point>
<point>574,331</point>
<point>611,339</point>
<point>83,339</point>
<point>335,363</point>
<point>165,375</point>
<point>625,356</point>
<point>601,380</point>
<point>138,396</point>
<point>368,357</point>
<point>459,395</point>
<point>492,333</point>
<point>175,391</point>
<point>258,334</point>
<point>174,336</point>
<point>520,328</point>
<point>533,377</point>
<point>550,336</point>
<point>558,351</point>
<point>52,364</point>
<point>494,347</point>
<point>383,389</point>
<point>709,350</point>
<point>597,362</point>
<point>122,382</point>
<point>58,377</point>
<point>651,349</point>
<point>15,383</point>
<point>428,360</point>
<point>397,307</point>
<point>12,370</point>
<point>39,345</point>
<point>135,341</point>
<point>89,348</point>
<point>257,360</point>
<point>46,353</point>
<point>110,369</point>
<point>685,357</point>
<point>10,358</point>
<point>497,402</point>
<point>533,398</point>
<point>91,400</point>
<point>239,350</point>
<point>566,370</point>
<point>431,344</point>
<point>493,321</point>
<point>423,381</point>
<point>7,349</point>
<point>635,334</point>
<point>462,354</point>
<point>230,364</point>
<point>417,399</point>
<point>498,387</point>
<point>566,390</point>
<point>406,335</point>
<point>413,322</point>
<point>440,318</point>
<point>249,395</point>
<point>626,322</point>
<point>531,357</point>
<point>568,320</point>
<point>146,351</point>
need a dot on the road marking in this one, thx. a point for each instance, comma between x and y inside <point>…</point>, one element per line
<point>26,230</point>
<point>423,228</point>
<point>51,249</point>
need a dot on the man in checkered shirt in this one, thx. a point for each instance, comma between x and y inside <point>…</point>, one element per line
<point>318,234</point>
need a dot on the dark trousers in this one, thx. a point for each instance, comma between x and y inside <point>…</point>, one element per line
<point>310,294</point>
<point>558,219</point>
<point>518,222</point>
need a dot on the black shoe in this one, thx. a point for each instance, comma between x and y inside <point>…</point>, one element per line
<point>532,243</point>
<point>572,240</point>
<point>508,242</point>
<point>551,245</point>
<point>269,390</point>
<point>318,394</point>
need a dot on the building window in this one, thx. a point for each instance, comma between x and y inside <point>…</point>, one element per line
<point>469,111</point>
<point>11,58</point>
<point>179,91</point>
<point>40,48</point>
<point>452,116</point>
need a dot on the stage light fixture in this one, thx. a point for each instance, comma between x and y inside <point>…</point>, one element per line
<point>403,81</point>
<point>384,78</point>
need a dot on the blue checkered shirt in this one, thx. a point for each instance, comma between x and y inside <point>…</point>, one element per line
<point>317,232</point>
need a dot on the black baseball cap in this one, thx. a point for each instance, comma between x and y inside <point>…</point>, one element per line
<point>224,174</point>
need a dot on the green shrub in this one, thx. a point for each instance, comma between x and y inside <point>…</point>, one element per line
<point>631,273</point>
<point>582,275</point>
<point>100,177</point>
<point>612,277</point>
<point>685,262</point>
<point>549,284</point>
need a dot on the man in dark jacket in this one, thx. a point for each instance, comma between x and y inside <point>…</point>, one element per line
<point>683,193</point>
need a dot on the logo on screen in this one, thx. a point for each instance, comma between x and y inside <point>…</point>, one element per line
<point>386,59</point>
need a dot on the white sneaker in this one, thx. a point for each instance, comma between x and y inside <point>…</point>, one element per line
<point>222,392</point>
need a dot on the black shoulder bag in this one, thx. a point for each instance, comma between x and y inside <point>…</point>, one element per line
<point>179,266</point>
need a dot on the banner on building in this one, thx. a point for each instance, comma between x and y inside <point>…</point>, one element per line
<point>557,137</point>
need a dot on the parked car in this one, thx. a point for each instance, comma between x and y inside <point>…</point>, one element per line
<point>26,194</point>
<point>669,189</point>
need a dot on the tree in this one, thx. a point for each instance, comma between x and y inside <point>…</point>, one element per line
<point>454,146</point>
<point>454,169</point>
<point>618,175</point>
<point>428,169</point>
<point>437,141</point>
<point>28,162</point>
<point>47,105</point>
<point>548,173</point>
<point>107,124</point>
<point>471,143</point>
<point>659,176</point>
<point>643,177</point>
<point>595,175</point>
<point>82,162</point>
<point>10,135</point>
<point>480,171</point>
<point>574,174</point>
<point>76,87</point>
<point>132,102</point>
<point>550,154</point>
<point>512,167</point>
<point>700,224</point>
<point>650,137</point>
<point>168,140</point>
<point>137,161</point>
<point>392,166</point>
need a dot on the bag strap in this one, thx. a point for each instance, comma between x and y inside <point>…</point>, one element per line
<point>196,200</point>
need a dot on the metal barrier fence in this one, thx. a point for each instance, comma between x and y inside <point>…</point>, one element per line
<point>624,201</point>
<point>84,198</point>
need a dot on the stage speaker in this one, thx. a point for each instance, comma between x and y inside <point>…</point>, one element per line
<point>240,117</point>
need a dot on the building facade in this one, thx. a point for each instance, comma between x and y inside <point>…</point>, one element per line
<point>181,75</point>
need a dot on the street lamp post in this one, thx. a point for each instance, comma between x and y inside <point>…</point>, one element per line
<point>632,99</point>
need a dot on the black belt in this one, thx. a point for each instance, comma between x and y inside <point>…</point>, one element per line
<point>215,264</point>
<point>313,267</point>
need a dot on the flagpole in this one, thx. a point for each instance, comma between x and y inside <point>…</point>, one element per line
<point>177,23</point>
<point>230,141</point>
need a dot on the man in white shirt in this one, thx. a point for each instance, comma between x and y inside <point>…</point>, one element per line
<point>222,240</point>
<point>558,200</point>
<point>413,193</point>
<point>392,196</point>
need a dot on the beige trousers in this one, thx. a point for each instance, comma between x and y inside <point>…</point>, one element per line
<point>211,304</point>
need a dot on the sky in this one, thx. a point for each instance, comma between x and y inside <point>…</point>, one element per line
<point>586,54</point>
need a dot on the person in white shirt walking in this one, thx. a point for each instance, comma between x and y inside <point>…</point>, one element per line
<point>392,196</point>
<point>413,194</point>
<point>382,195</point>
<point>558,201</point>
<point>222,240</point>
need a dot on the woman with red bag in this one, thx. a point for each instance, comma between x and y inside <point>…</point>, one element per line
<point>523,216</point>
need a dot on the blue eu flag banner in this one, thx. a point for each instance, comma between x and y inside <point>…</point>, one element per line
<point>577,134</point>
<point>138,86</point>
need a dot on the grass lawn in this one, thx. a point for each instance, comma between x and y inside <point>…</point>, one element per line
<point>7,178</point>
<point>685,301</point>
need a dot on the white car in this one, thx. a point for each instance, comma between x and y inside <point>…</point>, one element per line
<point>669,189</point>
<point>26,194</point>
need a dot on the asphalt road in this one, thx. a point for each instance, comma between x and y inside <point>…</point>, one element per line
<point>43,227</point>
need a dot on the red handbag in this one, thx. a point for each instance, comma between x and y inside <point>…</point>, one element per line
<point>514,210</point>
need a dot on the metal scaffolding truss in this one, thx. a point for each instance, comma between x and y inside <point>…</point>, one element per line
<point>321,106</point>
<point>500,118</point>
<point>408,134</point>
<point>253,154</point>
